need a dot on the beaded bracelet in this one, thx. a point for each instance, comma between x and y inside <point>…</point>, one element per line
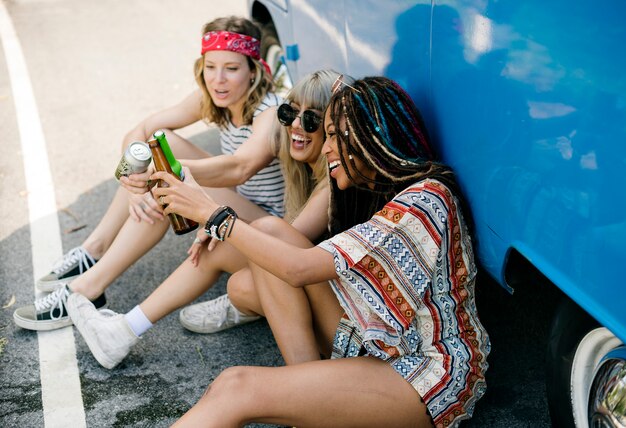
<point>221,222</point>
<point>230,224</point>
<point>225,228</point>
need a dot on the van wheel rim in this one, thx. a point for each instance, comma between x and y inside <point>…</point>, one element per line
<point>607,397</point>
<point>595,346</point>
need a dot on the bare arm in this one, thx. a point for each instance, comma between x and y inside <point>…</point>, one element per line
<point>231,170</point>
<point>312,221</point>
<point>175,117</point>
<point>141,205</point>
<point>294,265</point>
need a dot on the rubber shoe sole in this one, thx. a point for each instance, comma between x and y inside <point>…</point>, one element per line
<point>38,325</point>
<point>50,286</point>
<point>25,317</point>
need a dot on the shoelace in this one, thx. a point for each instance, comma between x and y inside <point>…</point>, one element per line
<point>221,305</point>
<point>52,301</point>
<point>78,254</point>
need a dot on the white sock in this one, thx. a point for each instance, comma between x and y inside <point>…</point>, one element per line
<point>138,321</point>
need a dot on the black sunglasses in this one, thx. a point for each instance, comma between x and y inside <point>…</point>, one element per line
<point>310,120</point>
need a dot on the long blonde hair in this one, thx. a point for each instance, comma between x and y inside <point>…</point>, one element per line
<point>314,92</point>
<point>261,85</point>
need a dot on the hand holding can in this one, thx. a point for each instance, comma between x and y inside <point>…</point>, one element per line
<point>135,160</point>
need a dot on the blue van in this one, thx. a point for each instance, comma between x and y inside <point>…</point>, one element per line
<point>526,100</point>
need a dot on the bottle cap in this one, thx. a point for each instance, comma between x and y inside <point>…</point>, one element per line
<point>174,164</point>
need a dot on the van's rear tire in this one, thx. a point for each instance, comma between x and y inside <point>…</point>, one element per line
<point>576,346</point>
<point>272,53</point>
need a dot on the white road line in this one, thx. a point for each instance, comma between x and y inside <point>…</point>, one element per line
<point>60,384</point>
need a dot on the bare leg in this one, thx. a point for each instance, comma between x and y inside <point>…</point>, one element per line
<point>288,309</point>
<point>188,282</point>
<point>132,242</point>
<point>289,316</point>
<point>351,392</point>
<point>242,293</point>
<point>127,247</point>
<point>301,332</point>
<point>100,239</point>
<point>326,315</point>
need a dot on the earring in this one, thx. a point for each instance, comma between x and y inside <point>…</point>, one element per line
<point>346,133</point>
<point>350,157</point>
<point>252,81</point>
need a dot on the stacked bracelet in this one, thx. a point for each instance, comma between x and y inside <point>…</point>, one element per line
<point>221,222</point>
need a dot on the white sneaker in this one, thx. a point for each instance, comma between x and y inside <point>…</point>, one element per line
<point>213,316</point>
<point>107,333</point>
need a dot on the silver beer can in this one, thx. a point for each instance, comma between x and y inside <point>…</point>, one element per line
<point>135,159</point>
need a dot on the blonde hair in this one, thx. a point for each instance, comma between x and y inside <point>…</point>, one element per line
<point>312,91</point>
<point>261,84</point>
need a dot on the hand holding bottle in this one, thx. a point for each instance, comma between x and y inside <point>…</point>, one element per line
<point>186,198</point>
<point>165,162</point>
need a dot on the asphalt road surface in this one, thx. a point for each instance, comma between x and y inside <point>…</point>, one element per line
<point>89,71</point>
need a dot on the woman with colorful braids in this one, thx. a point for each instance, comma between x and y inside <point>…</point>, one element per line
<point>408,348</point>
<point>235,93</point>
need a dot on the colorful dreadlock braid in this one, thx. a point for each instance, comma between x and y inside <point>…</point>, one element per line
<point>377,122</point>
<point>385,130</point>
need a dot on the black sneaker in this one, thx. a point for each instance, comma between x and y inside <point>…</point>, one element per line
<point>74,263</point>
<point>49,313</point>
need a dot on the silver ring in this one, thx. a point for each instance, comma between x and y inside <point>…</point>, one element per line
<point>142,206</point>
<point>196,241</point>
<point>161,199</point>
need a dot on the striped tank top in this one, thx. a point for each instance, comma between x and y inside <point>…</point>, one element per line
<point>267,187</point>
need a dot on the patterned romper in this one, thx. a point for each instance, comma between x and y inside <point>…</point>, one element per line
<point>406,283</point>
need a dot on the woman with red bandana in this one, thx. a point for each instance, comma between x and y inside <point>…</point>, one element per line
<point>235,93</point>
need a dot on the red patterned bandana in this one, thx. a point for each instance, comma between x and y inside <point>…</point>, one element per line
<point>234,42</point>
